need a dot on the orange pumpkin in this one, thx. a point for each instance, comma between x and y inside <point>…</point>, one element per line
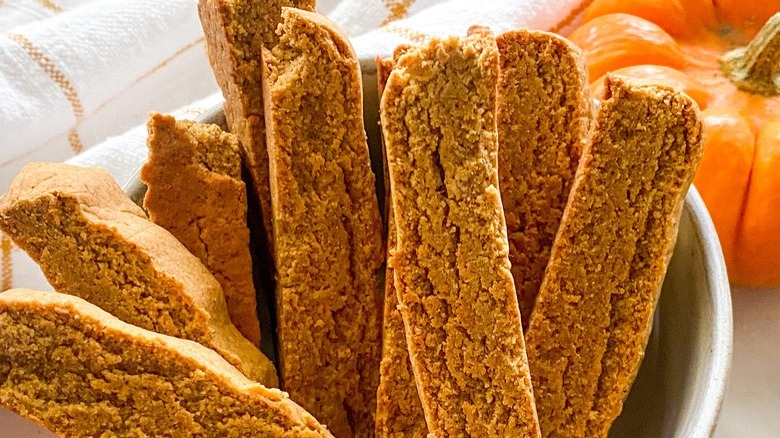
<point>720,54</point>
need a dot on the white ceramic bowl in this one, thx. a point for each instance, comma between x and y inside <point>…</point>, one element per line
<point>681,383</point>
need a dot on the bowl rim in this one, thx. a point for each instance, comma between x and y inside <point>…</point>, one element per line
<point>722,328</point>
<point>718,287</point>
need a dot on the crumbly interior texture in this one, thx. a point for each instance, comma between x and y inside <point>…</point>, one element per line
<point>236,32</point>
<point>327,226</point>
<point>594,311</point>
<point>451,264</point>
<point>399,413</point>
<point>79,371</point>
<point>195,191</point>
<point>543,116</point>
<point>92,241</point>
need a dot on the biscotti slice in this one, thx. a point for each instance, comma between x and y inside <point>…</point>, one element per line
<point>398,409</point>
<point>451,264</point>
<point>543,117</point>
<point>92,241</point>
<point>327,227</point>
<point>236,32</point>
<point>79,371</point>
<point>594,311</point>
<point>195,191</point>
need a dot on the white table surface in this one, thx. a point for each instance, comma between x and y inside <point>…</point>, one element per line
<point>752,405</point>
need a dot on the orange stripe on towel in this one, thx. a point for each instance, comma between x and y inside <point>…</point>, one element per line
<point>398,9</point>
<point>571,16</point>
<point>409,34</point>
<point>37,55</point>
<point>6,272</point>
<point>50,5</point>
<point>75,140</point>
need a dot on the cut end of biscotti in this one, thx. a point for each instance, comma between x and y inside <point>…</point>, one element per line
<point>79,371</point>
<point>618,88</point>
<point>300,28</point>
<point>217,150</point>
<point>478,42</point>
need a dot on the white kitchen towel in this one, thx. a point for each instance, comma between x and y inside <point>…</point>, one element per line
<point>76,76</point>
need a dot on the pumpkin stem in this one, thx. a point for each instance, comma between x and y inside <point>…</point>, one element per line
<point>755,67</point>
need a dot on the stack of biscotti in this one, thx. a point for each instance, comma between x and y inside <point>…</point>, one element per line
<point>511,208</point>
<point>281,69</point>
<point>78,370</point>
<point>591,220</point>
<point>543,113</point>
<point>92,241</point>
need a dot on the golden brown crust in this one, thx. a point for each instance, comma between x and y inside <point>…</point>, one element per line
<point>543,117</point>
<point>452,272</point>
<point>327,227</point>
<point>92,241</point>
<point>399,413</point>
<point>236,32</point>
<point>594,311</point>
<point>79,371</point>
<point>195,191</point>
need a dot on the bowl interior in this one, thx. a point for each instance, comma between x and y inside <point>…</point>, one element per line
<point>682,379</point>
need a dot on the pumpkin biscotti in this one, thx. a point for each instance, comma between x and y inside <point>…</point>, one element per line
<point>399,413</point>
<point>92,241</point>
<point>327,226</point>
<point>236,32</point>
<point>79,371</point>
<point>594,311</point>
<point>451,264</point>
<point>543,116</point>
<point>195,191</point>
